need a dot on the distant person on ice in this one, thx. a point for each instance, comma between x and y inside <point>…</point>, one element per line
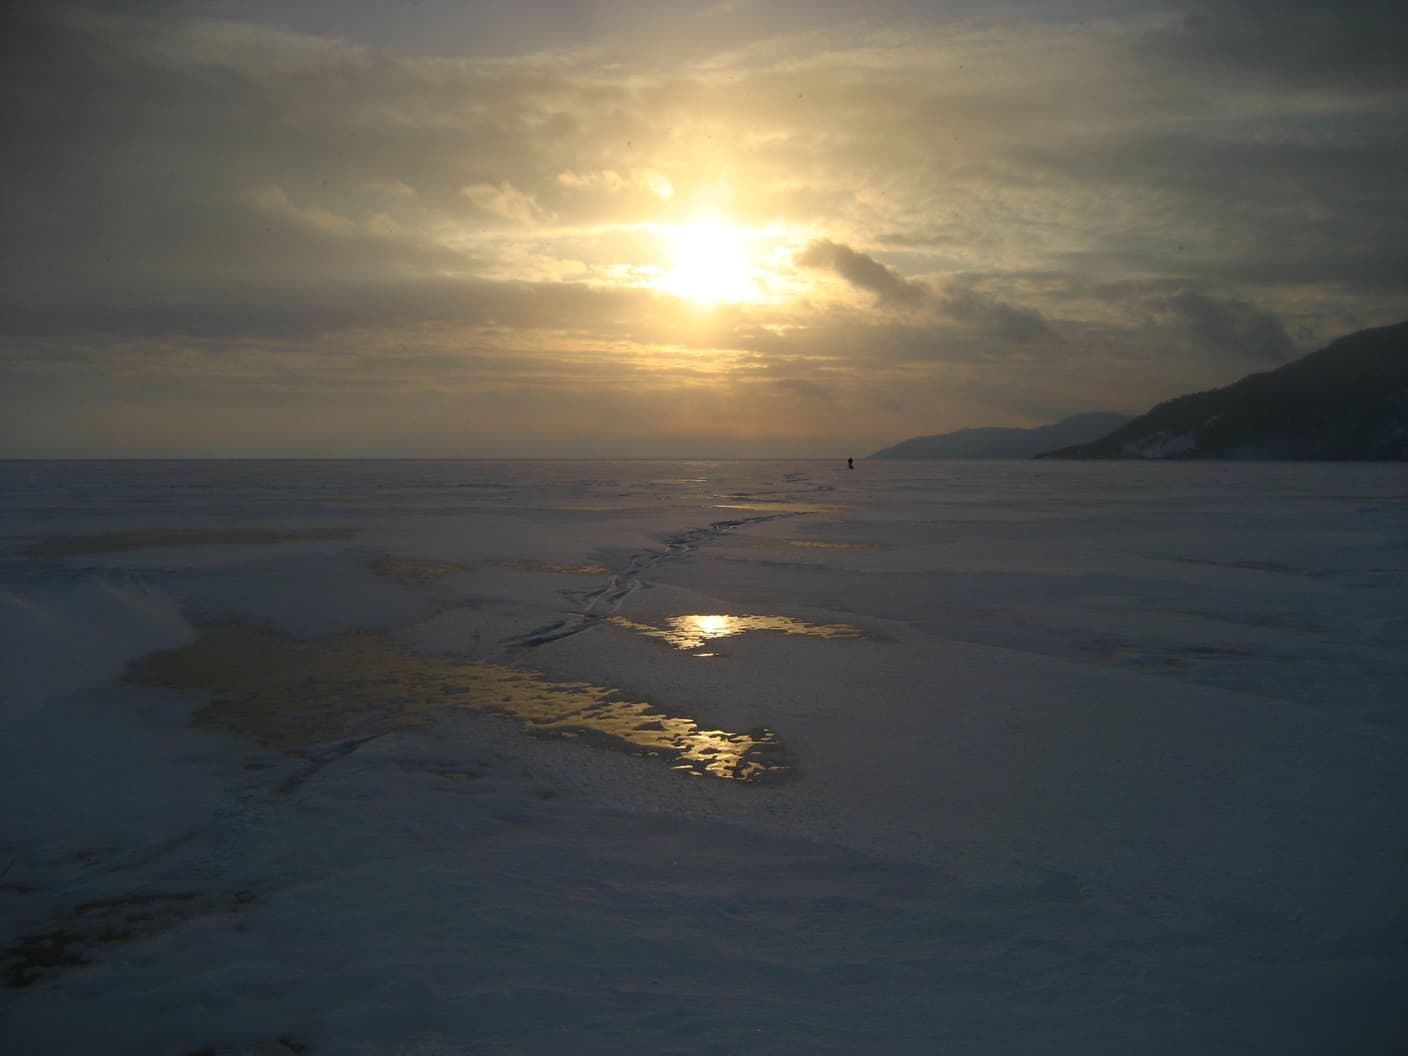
<point>850,463</point>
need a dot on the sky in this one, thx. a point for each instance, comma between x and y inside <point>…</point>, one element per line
<point>608,228</point>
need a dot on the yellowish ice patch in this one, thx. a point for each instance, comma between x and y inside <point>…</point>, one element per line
<point>415,568</point>
<point>551,567</point>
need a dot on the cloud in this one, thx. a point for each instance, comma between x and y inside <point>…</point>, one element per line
<point>507,201</point>
<point>1298,45</point>
<point>862,271</point>
<point>275,201</point>
<point>803,388</point>
<point>392,188</point>
<point>978,312</point>
<point>1225,326</point>
<point>1049,210</point>
<point>657,183</point>
<point>995,318</point>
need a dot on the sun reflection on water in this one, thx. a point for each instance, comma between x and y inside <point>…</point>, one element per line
<point>690,632</point>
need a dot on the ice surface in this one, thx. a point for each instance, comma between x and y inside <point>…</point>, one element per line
<point>1109,757</point>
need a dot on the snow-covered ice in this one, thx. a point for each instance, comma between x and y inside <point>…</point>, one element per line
<point>453,757</point>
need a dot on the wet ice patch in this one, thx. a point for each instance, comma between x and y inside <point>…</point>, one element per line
<point>325,699</point>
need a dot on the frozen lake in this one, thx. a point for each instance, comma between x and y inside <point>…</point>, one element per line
<point>703,757</point>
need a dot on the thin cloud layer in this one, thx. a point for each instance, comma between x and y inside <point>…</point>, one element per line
<point>973,218</point>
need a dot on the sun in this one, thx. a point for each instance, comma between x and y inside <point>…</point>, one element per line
<point>713,263</point>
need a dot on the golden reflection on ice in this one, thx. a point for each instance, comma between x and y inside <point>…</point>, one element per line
<point>690,632</point>
<point>296,697</point>
<point>710,626</point>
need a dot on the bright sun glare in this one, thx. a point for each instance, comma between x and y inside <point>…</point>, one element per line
<point>712,263</point>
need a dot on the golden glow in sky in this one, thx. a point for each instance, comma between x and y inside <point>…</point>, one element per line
<point>615,229</point>
<point>713,262</point>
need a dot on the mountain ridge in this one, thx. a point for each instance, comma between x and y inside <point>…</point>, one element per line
<point>1006,442</point>
<point>1347,401</point>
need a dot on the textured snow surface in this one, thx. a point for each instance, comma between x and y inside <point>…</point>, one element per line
<point>1110,758</point>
